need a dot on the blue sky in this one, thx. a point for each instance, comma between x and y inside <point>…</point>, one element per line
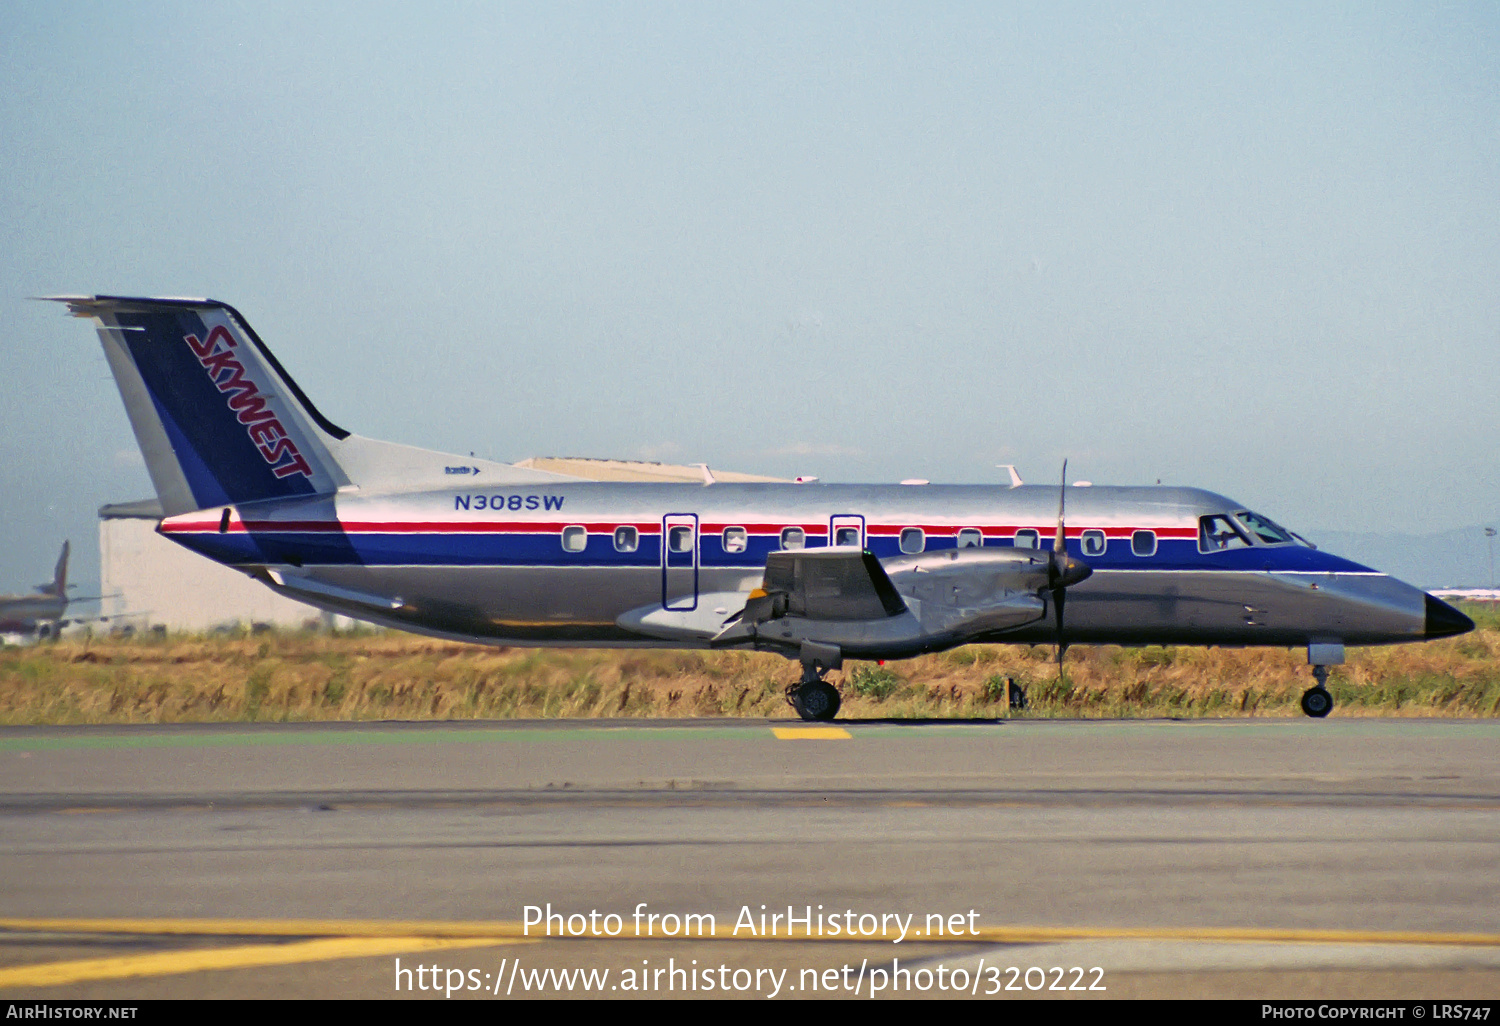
<point>1252,250</point>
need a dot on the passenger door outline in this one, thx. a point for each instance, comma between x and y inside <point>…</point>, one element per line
<point>679,570</point>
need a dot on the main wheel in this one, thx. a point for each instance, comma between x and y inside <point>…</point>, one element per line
<point>1317,702</point>
<point>816,700</point>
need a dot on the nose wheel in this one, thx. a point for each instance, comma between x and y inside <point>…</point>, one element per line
<point>1316,701</point>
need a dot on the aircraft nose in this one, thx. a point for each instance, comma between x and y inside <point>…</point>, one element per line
<point>1443,620</point>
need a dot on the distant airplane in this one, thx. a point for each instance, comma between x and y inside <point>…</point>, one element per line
<point>250,474</point>
<point>42,611</point>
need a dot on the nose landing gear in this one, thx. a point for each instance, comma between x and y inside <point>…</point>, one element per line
<point>1316,701</point>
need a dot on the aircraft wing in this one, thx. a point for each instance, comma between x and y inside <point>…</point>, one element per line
<point>845,601</point>
<point>826,584</point>
<point>841,587</point>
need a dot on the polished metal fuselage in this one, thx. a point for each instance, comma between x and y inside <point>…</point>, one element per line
<point>511,566</point>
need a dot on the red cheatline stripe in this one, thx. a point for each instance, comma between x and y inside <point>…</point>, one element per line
<point>608,527</point>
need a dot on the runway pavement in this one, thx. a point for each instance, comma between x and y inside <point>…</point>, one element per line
<point>1243,857</point>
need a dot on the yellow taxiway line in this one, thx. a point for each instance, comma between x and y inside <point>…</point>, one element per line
<point>507,931</point>
<point>327,939</point>
<point>245,956</point>
<point>811,733</point>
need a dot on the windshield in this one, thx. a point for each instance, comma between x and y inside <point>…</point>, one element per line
<point>1266,530</point>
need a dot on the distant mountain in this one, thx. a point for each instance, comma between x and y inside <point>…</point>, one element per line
<point>1450,559</point>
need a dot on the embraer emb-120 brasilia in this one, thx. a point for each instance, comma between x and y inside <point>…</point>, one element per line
<point>250,474</point>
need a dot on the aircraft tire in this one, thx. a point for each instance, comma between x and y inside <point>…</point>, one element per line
<point>817,701</point>
<point>1317,702</point>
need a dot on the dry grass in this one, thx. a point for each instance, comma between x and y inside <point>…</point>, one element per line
<point>367,676</point>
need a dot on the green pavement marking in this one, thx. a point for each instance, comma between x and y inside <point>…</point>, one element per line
<point>275,735</point>
<point>275,738</point>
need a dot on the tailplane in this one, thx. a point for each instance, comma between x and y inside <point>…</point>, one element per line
<point>221,423</point>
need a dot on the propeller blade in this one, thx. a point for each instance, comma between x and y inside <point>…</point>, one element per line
<point>1057,566</point>
<point>1061,570</point>
<point>1060,543</point>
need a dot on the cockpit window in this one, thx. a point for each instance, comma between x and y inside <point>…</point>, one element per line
<point>1267,530</point>
<point>1218,532</point>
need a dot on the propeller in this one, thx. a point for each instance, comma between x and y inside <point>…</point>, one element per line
<point>1063,572</point>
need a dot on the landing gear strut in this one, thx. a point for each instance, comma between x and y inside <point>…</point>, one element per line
<point>1316,701</point>
<point>813,697</point>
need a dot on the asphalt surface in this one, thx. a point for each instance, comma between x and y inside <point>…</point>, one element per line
<point>1196,858</point>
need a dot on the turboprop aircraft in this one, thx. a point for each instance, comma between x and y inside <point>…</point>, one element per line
<point>250,474</point>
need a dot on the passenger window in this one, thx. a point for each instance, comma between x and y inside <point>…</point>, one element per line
<point>574,539</point>
<point>793,538</point>
<point>735,539</point>
<point>1217,533</point>
<point>970,538</point>
<point>626,539</point>
<point>846,536</point>
<point>1028,539</point>
<point>680,539</point>
<point>1093,543</point>
<point>1143,543</point>
<point>912,540</point>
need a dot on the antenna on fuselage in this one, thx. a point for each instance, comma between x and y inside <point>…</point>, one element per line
<point>1015,479</point>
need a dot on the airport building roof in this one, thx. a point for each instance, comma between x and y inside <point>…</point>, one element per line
<point>635,470</point>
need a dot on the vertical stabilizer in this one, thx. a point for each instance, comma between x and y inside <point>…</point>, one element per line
<point>220,423</point>
<point>59,585</point>
<point>217,419</point>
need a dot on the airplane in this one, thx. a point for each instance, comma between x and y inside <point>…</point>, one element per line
<point>251,474</point>
<point>42,611</point>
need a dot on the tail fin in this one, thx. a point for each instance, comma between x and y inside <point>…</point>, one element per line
<point>59,585</point>
<point>221,423</point>
<point>217,418</point>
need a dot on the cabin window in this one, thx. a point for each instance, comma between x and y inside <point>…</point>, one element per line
<point>793,538</point>
<point>970,538</point>
<point>1217,533</point>
<point>735,539</point>
<point>680,539</point>
<point>1143,543</point>
<point>912,540</point>
<point>846,536</point>
<point>1093,543</point>
<point>626,539</point>
<point>574,538</point>
<point>1028,539</point>
<point>1267,530</point>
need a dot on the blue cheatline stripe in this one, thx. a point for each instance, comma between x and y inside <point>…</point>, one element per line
<point>544,549</point>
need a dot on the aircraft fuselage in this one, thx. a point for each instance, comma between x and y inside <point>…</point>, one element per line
<point>559,563</point>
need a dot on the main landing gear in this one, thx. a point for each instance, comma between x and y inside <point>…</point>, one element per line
<point>813,697</point>
<point>1316,701</point>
